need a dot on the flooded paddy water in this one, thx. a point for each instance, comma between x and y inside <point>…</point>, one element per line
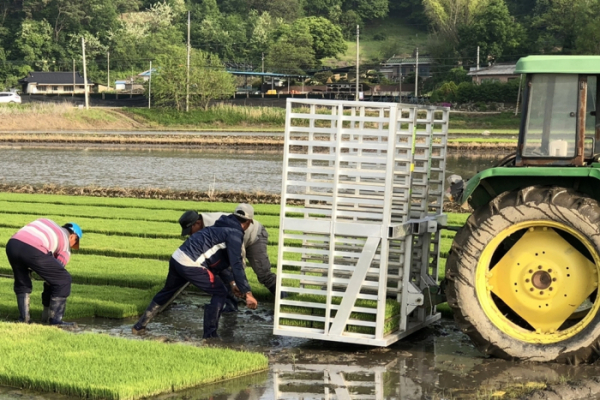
<point>200,170</point>
<point>436,363</point>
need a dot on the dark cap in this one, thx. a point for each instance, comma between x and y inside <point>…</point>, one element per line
<point>186,221</point>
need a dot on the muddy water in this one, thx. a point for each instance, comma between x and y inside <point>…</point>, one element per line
<point>436,363</point>
<point>221,170</point>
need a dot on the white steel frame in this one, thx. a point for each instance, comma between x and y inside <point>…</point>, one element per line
<point>361,206</point>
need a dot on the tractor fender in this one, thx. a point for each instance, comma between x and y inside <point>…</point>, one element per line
<point>486,185</point>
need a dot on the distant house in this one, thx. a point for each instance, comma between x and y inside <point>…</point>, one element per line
<point>396,67</point>
<point>53,83</point>
<point>494,73</point>
<point>146,74</point>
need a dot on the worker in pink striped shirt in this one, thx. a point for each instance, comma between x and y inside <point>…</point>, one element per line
<point>43,247</point>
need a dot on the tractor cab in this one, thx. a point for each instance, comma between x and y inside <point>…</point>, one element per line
<point>559,110</point>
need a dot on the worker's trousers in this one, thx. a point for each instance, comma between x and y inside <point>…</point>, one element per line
<point>24,258</point>
<point>258,258</point>
<point>204,280</point>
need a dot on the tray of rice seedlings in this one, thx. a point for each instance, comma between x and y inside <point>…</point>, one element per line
<point>149,204</point>
<point>85,301</point>
<point>392,313</point>
<point>102,367</point>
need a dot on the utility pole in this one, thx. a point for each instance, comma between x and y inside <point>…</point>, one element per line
<point>477,58</point>
<point>187,81</point>
<point>131,89</point>
<point>357,60</point>
<point>108,70</point>
<point>85,85</point>
<point>400,84</point>
<point>417,78</point>
<point>150,86</point>
<point>74,81</point>
<point>263,62</point>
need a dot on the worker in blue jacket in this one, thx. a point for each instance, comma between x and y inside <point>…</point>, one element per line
<point>203,261</point>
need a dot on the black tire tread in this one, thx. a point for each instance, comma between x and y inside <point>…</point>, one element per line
<point>527,197</point>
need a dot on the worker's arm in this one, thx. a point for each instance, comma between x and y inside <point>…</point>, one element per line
<point>234,252</point>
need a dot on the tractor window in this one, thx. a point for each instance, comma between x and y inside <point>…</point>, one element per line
<point>552,116</point>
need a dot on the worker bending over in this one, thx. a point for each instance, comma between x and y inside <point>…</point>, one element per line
<point>256,239</point>
<point>202,259</point>
<point>43,247</point>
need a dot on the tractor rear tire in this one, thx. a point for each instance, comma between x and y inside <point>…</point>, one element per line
<point>490,233</point>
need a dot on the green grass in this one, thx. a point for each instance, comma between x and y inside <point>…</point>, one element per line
<point>215,116</point>
<point>400,38</point>
<point>102,367</point>
<point>504,120</point>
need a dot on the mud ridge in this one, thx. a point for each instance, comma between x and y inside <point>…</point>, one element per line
<point>167,194</point>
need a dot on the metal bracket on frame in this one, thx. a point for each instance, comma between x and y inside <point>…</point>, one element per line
<point>417,226</point>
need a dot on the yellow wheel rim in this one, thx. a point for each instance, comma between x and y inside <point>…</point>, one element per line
<point>532,290</point>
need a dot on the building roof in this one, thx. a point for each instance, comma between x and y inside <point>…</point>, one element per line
<point>147,73</point>
<point>53,78</point>
<point>409,60</point>
<point>559,65</point>
<point>494,70</point>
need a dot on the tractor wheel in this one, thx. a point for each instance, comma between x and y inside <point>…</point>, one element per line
<point>523,276</point>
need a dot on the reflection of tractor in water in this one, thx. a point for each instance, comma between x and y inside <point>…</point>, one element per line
<point>523,272</point>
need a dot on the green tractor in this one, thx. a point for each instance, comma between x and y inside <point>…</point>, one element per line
<point>523,272</point>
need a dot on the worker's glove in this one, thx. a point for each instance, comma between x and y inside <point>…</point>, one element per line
<point>251,302</point>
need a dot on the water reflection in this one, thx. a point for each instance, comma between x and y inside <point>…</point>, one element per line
<point>255,170</point>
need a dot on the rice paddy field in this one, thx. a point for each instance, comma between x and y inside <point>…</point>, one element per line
<point>121,264</point>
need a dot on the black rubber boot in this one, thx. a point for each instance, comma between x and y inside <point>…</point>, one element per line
<point>23,304</point>
<point>212,313</point>
<point>45,315</point>
<point>140,327</point>
<point>56,312</point>
<point>273,290</point>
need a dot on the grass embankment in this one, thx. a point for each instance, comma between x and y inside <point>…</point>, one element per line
<point>57,117</point>
<point>60,116</point>
<point>217,117</point>
<point>98,366</point>
<point>476,123</point>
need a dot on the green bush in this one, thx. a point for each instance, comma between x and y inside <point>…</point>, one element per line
<point>467,92</point>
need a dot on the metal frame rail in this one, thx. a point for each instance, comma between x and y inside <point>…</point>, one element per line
<point>361,203</point>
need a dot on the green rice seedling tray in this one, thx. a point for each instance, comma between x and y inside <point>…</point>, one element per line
<point>392,314</point>
<point>175,205</point>
<point>95,366</point>
<point>85,301</point>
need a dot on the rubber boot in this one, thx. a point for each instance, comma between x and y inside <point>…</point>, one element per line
<point>140,327</point>
<point>45,315</point>
<point>212,313</point>
<point>231,303</point>
<point>273,290</point>
<point>23,304</point>
<point>56,312</point>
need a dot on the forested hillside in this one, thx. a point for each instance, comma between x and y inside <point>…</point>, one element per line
<point>290,36</point>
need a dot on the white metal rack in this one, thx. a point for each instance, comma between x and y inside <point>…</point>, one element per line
<point>361,203</point>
